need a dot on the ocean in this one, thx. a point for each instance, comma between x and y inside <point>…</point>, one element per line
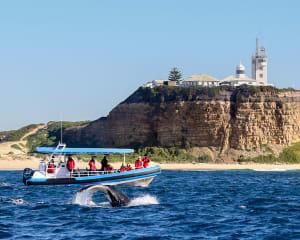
<point>177,205</point>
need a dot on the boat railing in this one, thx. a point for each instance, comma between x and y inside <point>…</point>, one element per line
<point>84,173</point>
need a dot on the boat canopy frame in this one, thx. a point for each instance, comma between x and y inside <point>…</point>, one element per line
<point>79,151</point>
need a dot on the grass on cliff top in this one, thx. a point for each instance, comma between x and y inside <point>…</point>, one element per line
<point>290,154</point>
<point>167,93</point>
<point>16,135</point>
<point>51,135</point>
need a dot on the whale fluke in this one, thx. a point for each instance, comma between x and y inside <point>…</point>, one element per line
<point>115,196</point>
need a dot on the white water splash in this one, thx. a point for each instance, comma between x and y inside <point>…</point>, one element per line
<point>18,201</point>
<point>143,200</point>
<point>271,170</point>
<point>84,198</point>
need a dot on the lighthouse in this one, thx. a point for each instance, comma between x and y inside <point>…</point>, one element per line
<point>260,65</point>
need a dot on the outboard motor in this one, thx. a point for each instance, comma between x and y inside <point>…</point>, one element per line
<point>27,173</point>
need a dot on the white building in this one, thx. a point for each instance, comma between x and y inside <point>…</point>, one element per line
<point>260,65</point>
<point>239,78</point>
<point>203,80</point>
<point>156,83</point>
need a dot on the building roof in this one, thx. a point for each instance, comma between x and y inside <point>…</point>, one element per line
<point>232,78</point>
<point>201,78</point>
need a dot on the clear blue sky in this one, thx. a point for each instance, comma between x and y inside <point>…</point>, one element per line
<point>82,58</point>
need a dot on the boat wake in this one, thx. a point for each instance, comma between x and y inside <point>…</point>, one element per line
<point>85,198</point>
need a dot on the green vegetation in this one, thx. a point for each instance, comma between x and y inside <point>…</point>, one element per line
<point>288,155</point>
<point>197,93</point>
<point>161,155</point>
<point>16,135</point>
<point>175,74</point>
<point>50,136</point>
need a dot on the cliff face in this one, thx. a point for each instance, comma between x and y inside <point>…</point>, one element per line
<point>243,118</point>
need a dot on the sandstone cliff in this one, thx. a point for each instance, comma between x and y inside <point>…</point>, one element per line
<point>223,119</point>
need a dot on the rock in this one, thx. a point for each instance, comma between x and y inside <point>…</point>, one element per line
<point>243,119</point>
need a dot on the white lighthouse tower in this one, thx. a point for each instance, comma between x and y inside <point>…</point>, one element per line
<point>260,65</point>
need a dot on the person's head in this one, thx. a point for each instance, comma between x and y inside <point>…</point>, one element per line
<point>145,155</point>
<point>140,157</point>
<point>69,157</point>
<point>52,160</point>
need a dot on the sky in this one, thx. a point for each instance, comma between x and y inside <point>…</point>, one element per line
<point>76,60</point>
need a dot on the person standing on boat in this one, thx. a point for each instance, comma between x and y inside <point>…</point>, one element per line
<point>42,166</point>
<point>146,161</point>
<point>92,164</point>
<point>138,163</point>
<point>104,163</point>
<point>70,164</point>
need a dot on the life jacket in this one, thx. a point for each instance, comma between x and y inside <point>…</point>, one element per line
<point>108,168</point>
<point>70,164</point>
<point>138,164</point>
<point>146,162</point>
<point>51,168</point>
<point>92,165</point>
<point>122,169</point>
<point>128,168</point>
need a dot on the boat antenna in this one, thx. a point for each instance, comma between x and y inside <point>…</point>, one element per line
<point>61,130</point>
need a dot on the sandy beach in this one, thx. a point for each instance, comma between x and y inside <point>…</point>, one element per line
<point>20,164</point>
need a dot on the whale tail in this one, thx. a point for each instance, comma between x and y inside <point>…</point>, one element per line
<point>114,196</point>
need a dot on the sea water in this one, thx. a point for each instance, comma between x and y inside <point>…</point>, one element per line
<point>177,205</point>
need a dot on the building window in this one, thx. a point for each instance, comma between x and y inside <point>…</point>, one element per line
<point>261,75</point>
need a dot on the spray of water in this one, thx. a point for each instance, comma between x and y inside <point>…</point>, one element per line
<point>85,198</point>
<point>143,200</point>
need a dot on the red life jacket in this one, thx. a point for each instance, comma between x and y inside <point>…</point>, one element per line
<point>108,168</point>
<point>51,168</point>
<point>128,168</point>
<point>138,164</point>
<point>146,161</point>
<point>70,164</point>
<point>122,169</point>
<point>92,165</point>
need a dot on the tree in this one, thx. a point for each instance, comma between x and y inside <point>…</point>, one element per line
<point>175,74</point>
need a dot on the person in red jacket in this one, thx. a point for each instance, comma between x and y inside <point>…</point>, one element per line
<point>108,168</point>
<point>122,168</point>
<point>70,164</point>
<point>92,165</point>
<point>138,163</point>
<point>51,167</point>
<point>146,161</point>
<point>128,167</point>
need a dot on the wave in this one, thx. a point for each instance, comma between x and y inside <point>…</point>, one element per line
<point>271,170</point>
<point>5,184</point>
<point>143,200</point>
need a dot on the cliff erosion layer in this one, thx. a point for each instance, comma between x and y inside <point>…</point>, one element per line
<point>242,118</point>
